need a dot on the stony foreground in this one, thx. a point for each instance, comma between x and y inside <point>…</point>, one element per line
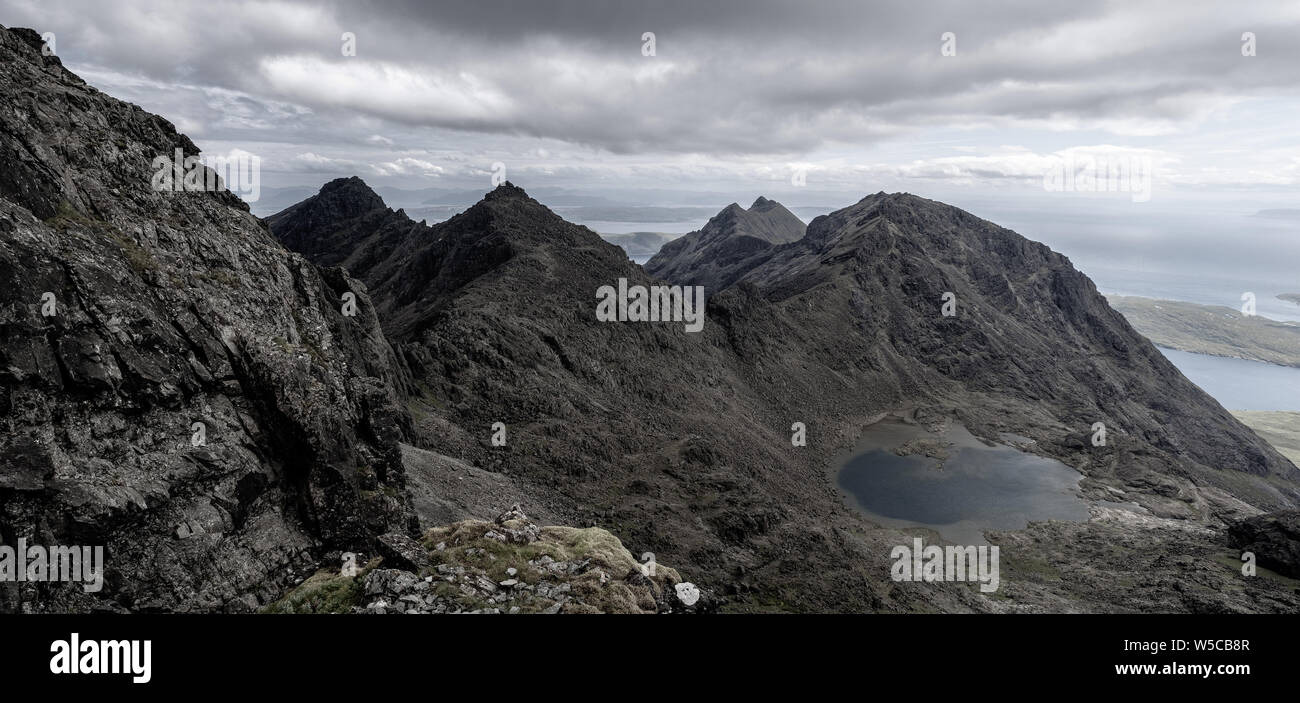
<point>510,565</point>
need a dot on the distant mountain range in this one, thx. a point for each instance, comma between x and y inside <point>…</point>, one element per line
<point>641,244</point>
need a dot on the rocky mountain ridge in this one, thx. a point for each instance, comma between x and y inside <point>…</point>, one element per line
<point>682,440</point>
<point>720,252</point>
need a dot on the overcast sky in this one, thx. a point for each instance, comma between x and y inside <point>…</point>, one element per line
<point>738,96</point>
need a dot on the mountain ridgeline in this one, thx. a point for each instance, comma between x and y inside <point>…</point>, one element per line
<point>727,246</point>
<point>682,440</point>
<point>229,404</point>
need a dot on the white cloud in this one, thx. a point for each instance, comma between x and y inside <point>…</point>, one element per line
<point>407,166</point>
<point>388,90</point>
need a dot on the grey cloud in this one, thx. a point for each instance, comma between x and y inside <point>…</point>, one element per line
<point>751,77</point>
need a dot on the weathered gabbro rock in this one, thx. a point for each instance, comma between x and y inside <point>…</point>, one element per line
<point>198,403</point>
<point>402,552</point>
<point>1274,538</point>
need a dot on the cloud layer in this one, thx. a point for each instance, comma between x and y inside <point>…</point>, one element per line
<point>750,89</point>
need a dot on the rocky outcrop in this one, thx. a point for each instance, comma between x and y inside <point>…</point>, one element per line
<point>509,565</point>
<point>174,385</point>
<point>727,247</point>
<point>1274,538</point>
<point>310,227</point>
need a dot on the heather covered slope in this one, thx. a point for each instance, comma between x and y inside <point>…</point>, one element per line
<point>680,443</point>
<point>172,309</point>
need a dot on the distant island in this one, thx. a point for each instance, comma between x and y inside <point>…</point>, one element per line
<point>1212,329</point>
<point>1280,428</point>
<point>640,243</point>
<point>1290,297</point>
<point>1279,214</point>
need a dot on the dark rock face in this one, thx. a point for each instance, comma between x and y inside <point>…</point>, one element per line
<point>299,227</point>
<point>172,308</point>
<point>1030,330</point>
<point>683,439</point>
<point>727,247</point>
<point>402,552</point>
<point>1274,538</point>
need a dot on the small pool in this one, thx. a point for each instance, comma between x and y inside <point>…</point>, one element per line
<point>962,489</point>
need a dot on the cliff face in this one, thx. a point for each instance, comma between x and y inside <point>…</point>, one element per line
<point>731,243</point>
<point>683,440</point>
<point>171,309</point>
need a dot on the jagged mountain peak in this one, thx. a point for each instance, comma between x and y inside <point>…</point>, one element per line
<point>506,191</point>
<point>346,197</point>
<point>718,253</point>
<point>515,220</point>
<point>350,185</point>
<point>331,226</point>
<point>414,270</point>
<point>507,198</point>
<point>766,219</point>
<point>890,202</point>
<point>923,220</point>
